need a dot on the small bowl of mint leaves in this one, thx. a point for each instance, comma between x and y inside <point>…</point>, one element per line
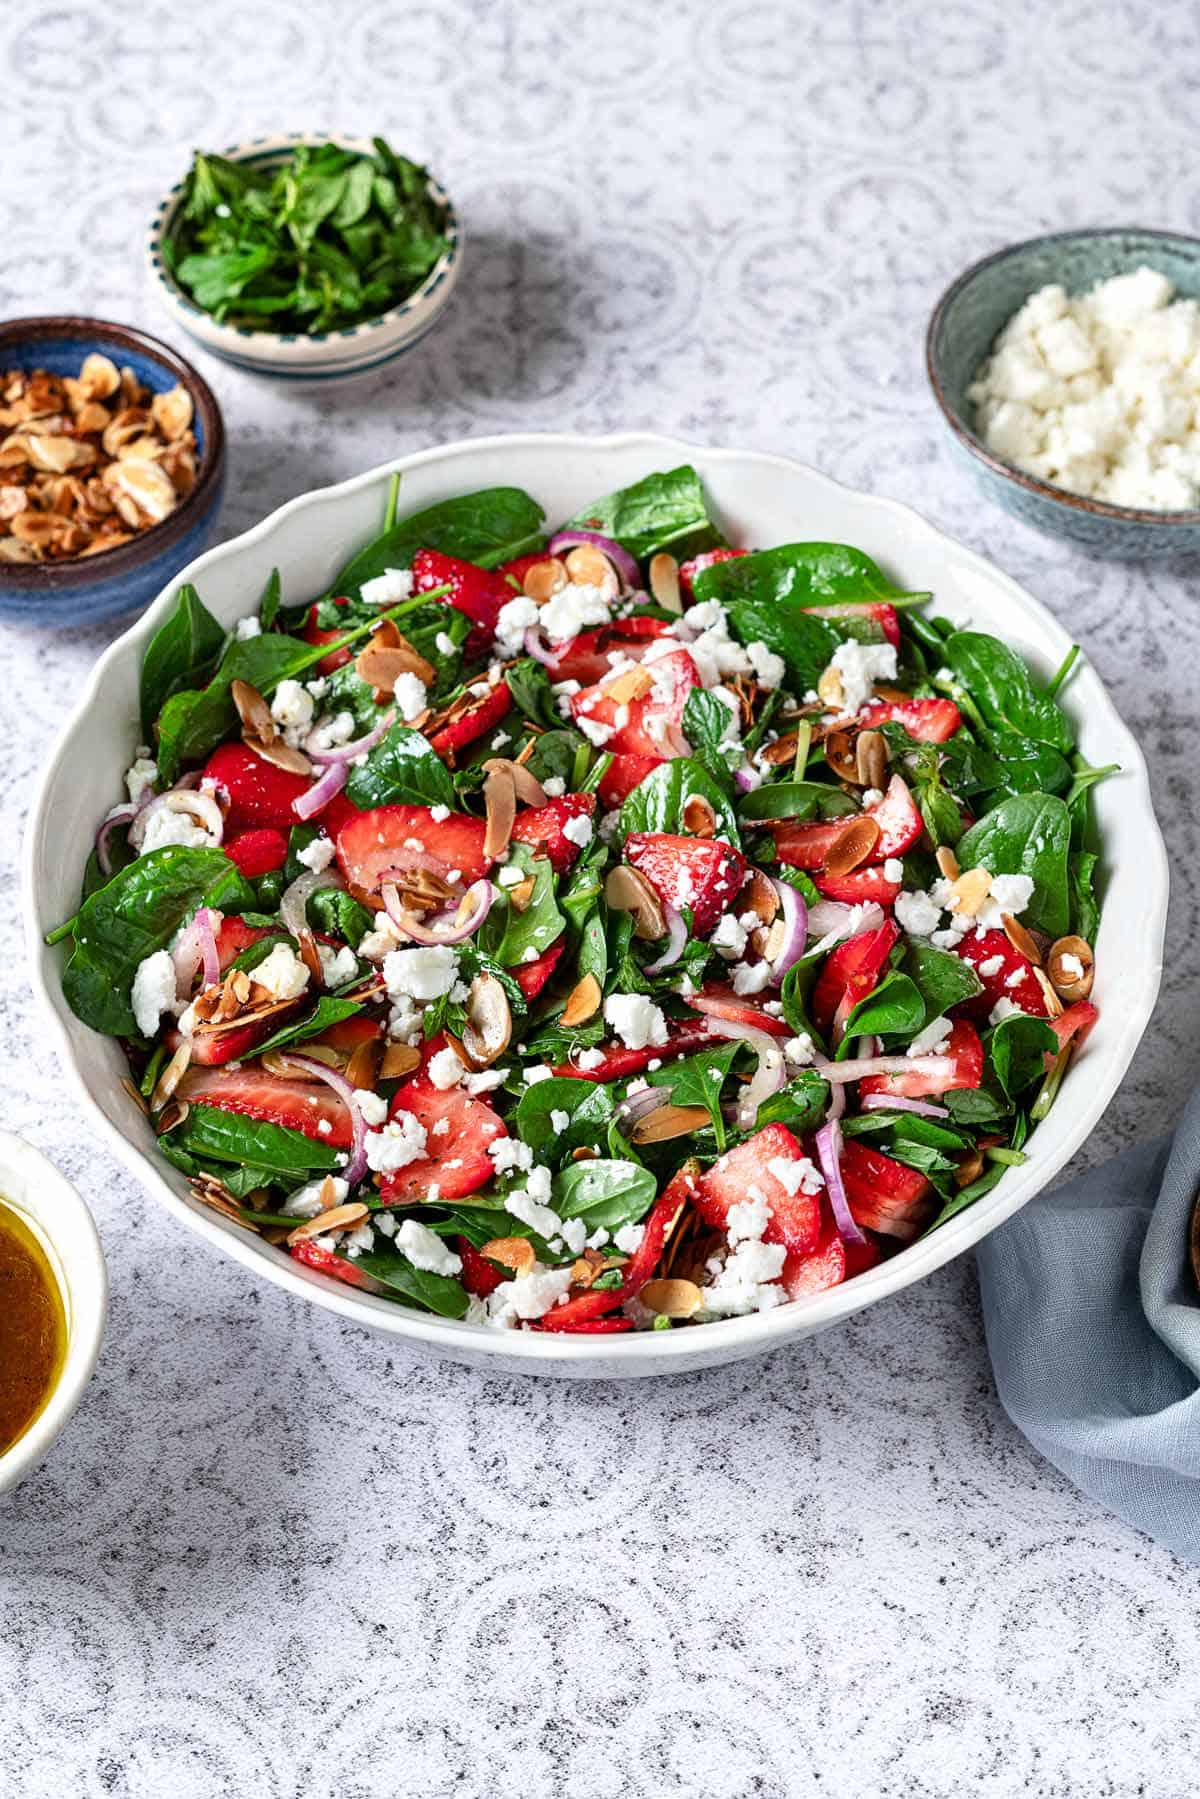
<point>304,257</point>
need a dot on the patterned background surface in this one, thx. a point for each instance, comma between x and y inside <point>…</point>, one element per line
<point>274,1556</point>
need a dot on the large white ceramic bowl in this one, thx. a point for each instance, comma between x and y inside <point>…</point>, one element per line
<point>759,499</point>
<point>49,1206</point>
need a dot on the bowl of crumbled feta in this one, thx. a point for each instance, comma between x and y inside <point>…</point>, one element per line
<point>593,1117</point>
<point>1068,370</point>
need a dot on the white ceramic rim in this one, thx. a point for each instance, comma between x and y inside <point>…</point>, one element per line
<point>298,350</point>
<point>672,1351</point>
<point>61,1221</point>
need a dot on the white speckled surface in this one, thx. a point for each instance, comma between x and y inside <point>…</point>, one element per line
<point>274,1557</point>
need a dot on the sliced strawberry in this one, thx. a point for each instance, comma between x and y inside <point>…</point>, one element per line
<point>682,1038</point>
<point>583,1312</point>
<point>795,1217</point>
<point>807,845</point>
<point>545,828</point>
<point>652,725</point>
<point>479,592</point>
<point>718,1000</point>
<point>458,1130</point>
<point>928,721</point>
<point>1075,1024</point>
<point>883,1195</point>
<point>478,1274</point>
<point>883,614</point>
<point>259,793</point>
<point>850,972</point>
<point>623,774</point>
<point>320,1257</point>
<point>456,733</point>
<point>963,1051</point>
<point>861,1256</point>
<point>256,853</point>
<point>1010,975</point>
<point>589,657</point>
<point>235,935</point>
<point>822,1267</point>
<point>312,633</point>
<point>211,1049</point>
<point>372,842</point>
<point>702,873</point>
<point>697,565</point>
<point>252,1092</point>
<point>859,886</point>
<point>531,977</point>
<point>348,1034</point>
<point>900,824</point>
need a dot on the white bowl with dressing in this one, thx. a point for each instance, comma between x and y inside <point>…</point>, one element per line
<point>48,1205</point>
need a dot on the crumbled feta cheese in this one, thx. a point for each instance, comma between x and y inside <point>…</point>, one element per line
<point>748,1282</point>
<point>800,1051</point>
<point>410,695</point>
<point>375,945</point>
<point>559,1121</point>
<point>139,776</point>
<point>401,1141</point>
<point>637,1021</point>
<point>554,787</point>
<point>917,913</point>
<point>510,875</point>
<point>425,1249</point>
<point>371,1107</point>
<point>424,973</point>
<point>445,1069</point>
<point>337,966</point>
<point>578,830</point>
<point>747,1219</point>
<point>574,1235</point>
<point>1071,966</point>
<point>509,1155</point>
<point>247,628</point>
<point>893,869</point>
<point>574,608</point>
<point>932,1040</point>
<point>486,1081</point>
<point>595,732</point>
<point>860,665</point>
<point>531,1076</point>
<point>439,814</point>
<point>530,1296</point>
<point>281,972</point>
<point>328,733</point>
<point>444,644</point>
<point>872,796</point>
<point>1015,978</point>
<point>769,669</point>
<point>629,1238</point>
<point>165,827</point>
<point>389,588</point>
<point>1011,893</point>
<point>729,938</point>
<point>540,1218</point>
<point>316,855</point>
<point>1003,1008</point>
<point>514,619</point>
<point>404,1021</point>
<point>993,965</point>
<point>751,977</point>
<point>308,1200</point>
<point>153,991</point>
<point>292,706</point>
<point>589,1059</point>
<point>796,1174</point>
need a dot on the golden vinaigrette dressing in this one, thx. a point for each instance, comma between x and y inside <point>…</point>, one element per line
<point>33,1327</point>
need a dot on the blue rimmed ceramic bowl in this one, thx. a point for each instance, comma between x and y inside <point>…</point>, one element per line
<point>965,324</point>
<point>294,356</point>
<point>91,588</point>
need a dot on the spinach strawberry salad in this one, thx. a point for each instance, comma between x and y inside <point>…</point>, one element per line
<point>595,932</point>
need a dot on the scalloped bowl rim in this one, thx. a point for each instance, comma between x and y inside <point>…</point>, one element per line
<point>636,1353</point>
<point>970,439</point>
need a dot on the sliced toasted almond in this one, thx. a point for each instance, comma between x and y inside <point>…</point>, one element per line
<point>583,1002</point>
<point>1054,1005</point>
<point>381,665</point>
<point>99,378</point>
<point>585,1153</point>
<point>759,896</point>
<point>1070,981</point>
<point>520,895</point>
<point>399,1059</point>
<point>526,786</point>
<point>664,582</point>
<point>488,1029</point>
<point>853,846</point>
<point>274,1061</point>
<point>134,1093</point>
<point>698,816</point>
<point>253,711</point>
<point>672,1298</point>
<point>841,756</point>
<point>667,1122</point>
<point>871,757</point>
<point>500,804</point>
<point>171,1116</point>
<point>628,891</point>
<point>968,892</point>
<point>171,1075</point>
<point>515,1253</point>
<point>542,580</point>
<point>896,695</point>
<point>969,1168</point>
<point>947,862</point>
<point>172,412</point>
<point>631,684</point>
<point>590,567</point>
<point>280,755</point>
<point>585,1270</point>
<point>310,957</point>
<point>336,1218</point>
<point>218,1198</point>
<point>1021,939</point>
<point>830,689</point>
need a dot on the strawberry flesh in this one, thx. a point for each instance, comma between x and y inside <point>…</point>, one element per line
<point>373,842</point>
<point>650,726</point>
<point>257,852</point>
<point>928,721</point>
<point>850,972</point>
<point>456,733</point>
<point>545,827</point>
<point>883,1195</point>
<point>698,872</point>
<point>586,658</point>
<point>963,1051</point>
<point>531,977</point>
<point>795,1217</point>
<point>900,823</point>
<point>479,592</point>
<point>458,1130</point>
<point>619,1063</point>
<point>858,887</point>
<point>300,1105</point>
<point>717,999</point>
<point>623,774</point>
<point>697,565</point>
<point>1013,979</point>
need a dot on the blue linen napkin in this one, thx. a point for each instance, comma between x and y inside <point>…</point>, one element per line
<point>1093,1324</point>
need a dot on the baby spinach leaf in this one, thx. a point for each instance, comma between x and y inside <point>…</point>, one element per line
<point>194,721</point>
<point>554,755</point>
<point>137,913</point>
<point>801,1105</point>
<point>180,653</point>
<point>657,803</point>
<point>533,696</point>
<point>1017,1051</point>
<point>440,1293</point>
<point>272,597</point>
<point>1085,913</point>
<point>510,935</point>
<point>1023,765</point>
<point>605,1193</point>
<point>941,979</point>
<point>1028,834</point>
<point>1000,685</point>
<point>973,1106</point>
<point>662,512</point>
<point>228,1137</point>
<point>339,914</point>
<point>794,799</point>
<point>697,1081</point>
<point>404,768</point>
<point>707,724</point>
<point>587,1104</point>
<point>896,1008</point>
<point>805,642</point>
<point>797,575</point>
<point>327,1011</point>
<point>488,527</point>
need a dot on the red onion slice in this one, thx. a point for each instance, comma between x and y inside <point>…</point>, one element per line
<point>447,927</point>
<point>197,949</point>
<point>829,1154</point>
<point>854,1068</point>
<point>889,1102</point>
<point>745,777</point>
<point>292,913</point>
<point>622,561</point>
<point>771,1073</point>
<point>795,920</point>
<point>321,792</point>
<point>120,815</point>
<point>831,918</point>
<point>677,936</point>
<point>346,752</point>
<point>357,1165</point>
<point>533,646</point>
<point>200,806</point>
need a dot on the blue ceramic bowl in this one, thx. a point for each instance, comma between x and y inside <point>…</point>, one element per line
<point>127,578</point>
<point>965,323</point>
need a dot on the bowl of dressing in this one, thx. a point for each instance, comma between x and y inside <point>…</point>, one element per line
<point>53,1300</point>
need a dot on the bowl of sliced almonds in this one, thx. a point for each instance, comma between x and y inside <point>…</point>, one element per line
<point>112,465</point>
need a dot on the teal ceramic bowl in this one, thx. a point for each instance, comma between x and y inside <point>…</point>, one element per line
<point>965,323</point>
